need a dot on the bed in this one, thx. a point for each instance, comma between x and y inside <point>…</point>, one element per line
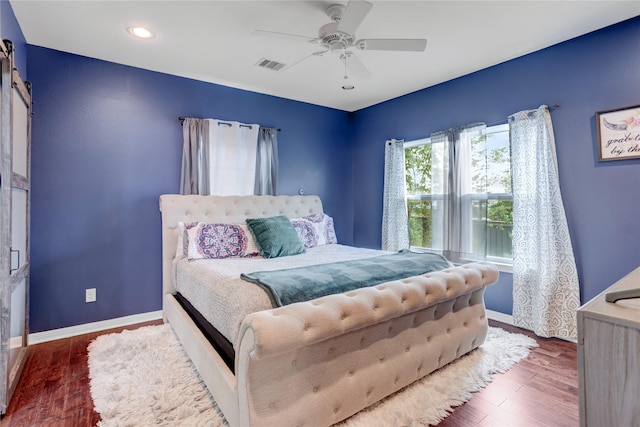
<point>319,362</point>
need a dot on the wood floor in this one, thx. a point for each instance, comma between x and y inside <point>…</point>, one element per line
<point>541,390</point>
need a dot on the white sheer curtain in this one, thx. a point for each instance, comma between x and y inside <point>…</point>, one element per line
<point>456,189</point>
<point>546,292</point>
<point>233,158</point>
<point>221,158</point>
<point>395,228</point>
<point>442,144</point>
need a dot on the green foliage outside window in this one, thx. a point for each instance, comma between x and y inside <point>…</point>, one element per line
<point>419,223</point>
<point>418,169</point>
<point>491,173</point>
<point>418,181</point>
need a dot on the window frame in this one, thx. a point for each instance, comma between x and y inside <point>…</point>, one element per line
<point>504,264</point>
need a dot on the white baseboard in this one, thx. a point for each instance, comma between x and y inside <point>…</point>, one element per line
<point>72,331</point>
<point>500,317</point>
<point>508,319</point>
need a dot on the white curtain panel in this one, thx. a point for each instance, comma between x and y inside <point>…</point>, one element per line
<point>233,158</point>
<point>395,228</point>
<point>471,168</point>
<point>442,144</point>
<point>218,157</point>
<point>546,292</point>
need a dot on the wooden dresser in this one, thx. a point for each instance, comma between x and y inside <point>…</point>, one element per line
<point>609,358</point>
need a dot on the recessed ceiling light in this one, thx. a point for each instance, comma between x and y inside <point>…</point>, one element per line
<point>348,87</point>
<point>141,32</point>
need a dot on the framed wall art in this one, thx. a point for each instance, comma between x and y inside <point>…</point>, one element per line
<point>618,133</point>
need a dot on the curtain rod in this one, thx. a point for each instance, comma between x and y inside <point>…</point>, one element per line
<point>505,121</point>
<point>181,119</point>
<point>499,122</point>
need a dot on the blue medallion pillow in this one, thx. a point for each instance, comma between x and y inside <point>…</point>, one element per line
<point>217,241</point>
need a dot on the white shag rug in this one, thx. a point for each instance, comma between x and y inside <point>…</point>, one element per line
<point>143,377</point>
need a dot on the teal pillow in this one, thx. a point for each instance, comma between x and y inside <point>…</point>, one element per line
<point>275,236</point>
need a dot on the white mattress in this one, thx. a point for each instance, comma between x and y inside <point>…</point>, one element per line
<point>215,289</point>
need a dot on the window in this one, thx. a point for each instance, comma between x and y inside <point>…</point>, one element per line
<point>468,200</point>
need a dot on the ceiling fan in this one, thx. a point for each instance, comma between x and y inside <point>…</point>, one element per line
<point>339,36</point>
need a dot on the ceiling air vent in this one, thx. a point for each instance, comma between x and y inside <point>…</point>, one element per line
<point>269,64</point>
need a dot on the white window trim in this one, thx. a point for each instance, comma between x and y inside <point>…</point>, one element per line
<point>503,264</point>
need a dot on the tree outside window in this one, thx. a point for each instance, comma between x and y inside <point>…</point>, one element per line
<point>490,201</point>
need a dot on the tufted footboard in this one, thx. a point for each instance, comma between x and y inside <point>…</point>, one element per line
<point>319,362</point>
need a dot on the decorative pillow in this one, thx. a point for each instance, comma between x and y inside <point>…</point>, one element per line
<point>315,230</point>
<point>275,236</point>
<point>306,232</point>
<point>216,241</point>
<point>326,230</point>
<point>182,249</point>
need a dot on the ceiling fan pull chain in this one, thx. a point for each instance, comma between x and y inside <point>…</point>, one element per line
<point>345,63</point>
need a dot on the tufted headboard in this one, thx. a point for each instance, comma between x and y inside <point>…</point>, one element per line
<point>222,209</point>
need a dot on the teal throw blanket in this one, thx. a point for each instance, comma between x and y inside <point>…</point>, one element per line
<point>306,283</point>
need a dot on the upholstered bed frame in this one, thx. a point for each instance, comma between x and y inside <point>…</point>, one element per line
<point>319,362</point>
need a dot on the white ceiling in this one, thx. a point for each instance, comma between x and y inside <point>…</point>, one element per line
<point>212,40</point>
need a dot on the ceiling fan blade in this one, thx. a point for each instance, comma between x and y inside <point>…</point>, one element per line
<point>353,14</point>
<point>408,45</point>
<point>355,66</point>
<point>319,53</point>
<point>283,36</point>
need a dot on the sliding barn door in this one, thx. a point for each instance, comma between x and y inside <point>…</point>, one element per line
<point>15,183</point>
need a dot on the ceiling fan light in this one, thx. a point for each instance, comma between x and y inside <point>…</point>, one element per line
<point>141,32</point>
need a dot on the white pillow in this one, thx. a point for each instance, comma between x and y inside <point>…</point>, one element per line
<point>182,246</point>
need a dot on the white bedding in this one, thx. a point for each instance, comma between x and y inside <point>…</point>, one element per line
<point>215,289</point>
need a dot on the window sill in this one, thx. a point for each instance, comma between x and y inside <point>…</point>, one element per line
<point>502,267</point>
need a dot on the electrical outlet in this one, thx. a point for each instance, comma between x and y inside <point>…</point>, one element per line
<point>90,295</point>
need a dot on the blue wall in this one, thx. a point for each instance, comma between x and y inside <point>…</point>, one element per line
<point>107,142</point>
<point>595,72</point>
